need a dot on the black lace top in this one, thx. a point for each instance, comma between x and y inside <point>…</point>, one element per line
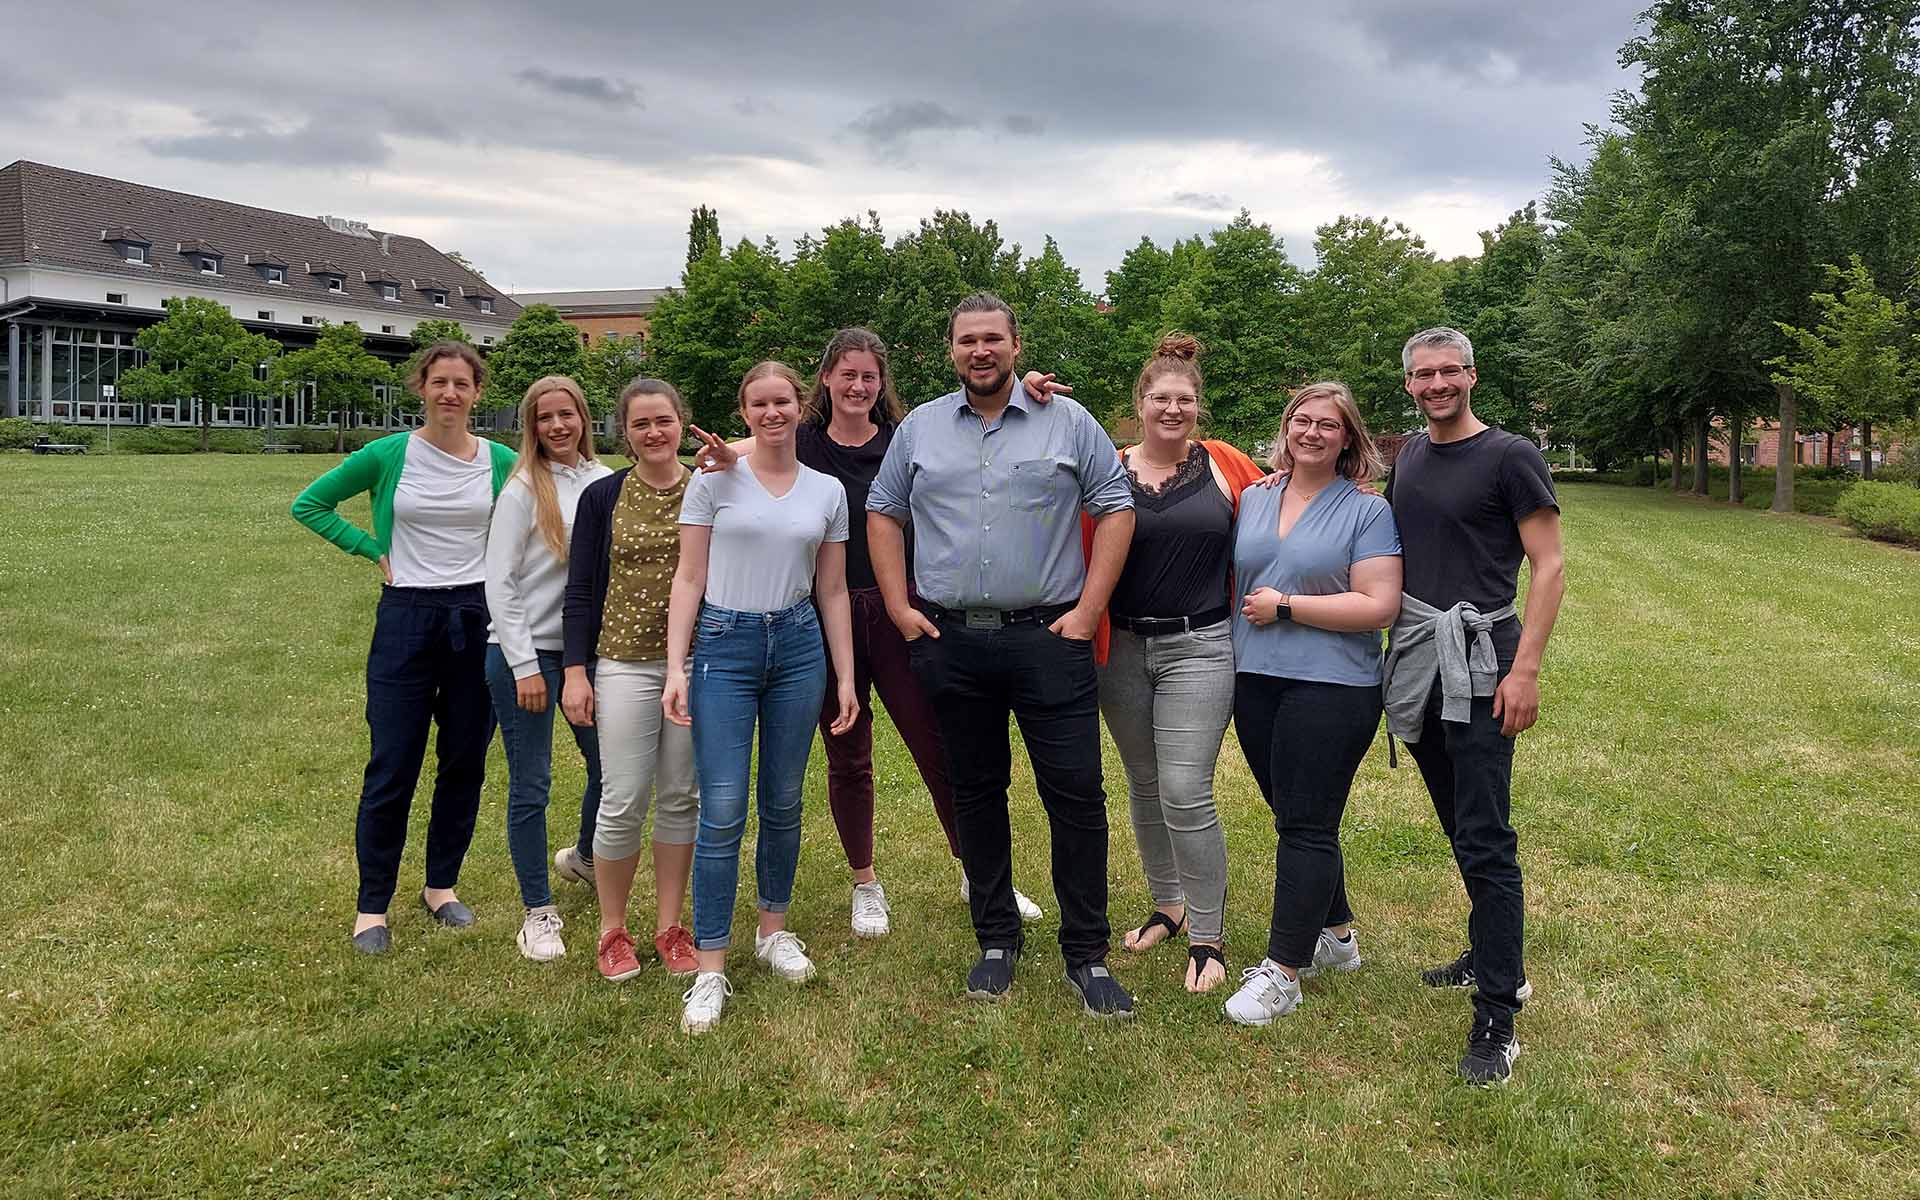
<point>1182,544</point>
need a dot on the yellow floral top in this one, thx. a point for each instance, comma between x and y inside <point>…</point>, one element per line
<point>646,549</point>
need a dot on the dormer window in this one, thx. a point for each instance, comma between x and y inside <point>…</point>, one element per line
<point>202,257</point>
<point>390,291</point>
<point>439,299</point>
<point>486,304</point>
<point>276,275</point>
<point>209,265</point>
<point>336,284</point>
<point>331,276</point>
<point>129,245</point>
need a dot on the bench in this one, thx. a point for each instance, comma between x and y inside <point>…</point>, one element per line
<point>46,447</point>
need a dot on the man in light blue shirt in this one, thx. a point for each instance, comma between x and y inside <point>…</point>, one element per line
<point>1007,606</point>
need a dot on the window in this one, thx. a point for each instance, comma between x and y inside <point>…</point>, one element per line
<point>386,329</point>
<point>265,314</point>
<point>116,297</point>
<point>439,299</point>
<point>309,319</point>
<point>134,254</point>
<point>486,304</point>
<point>335,284</point>
<point>276,275</point>
<point>209,266</point>
<point>389,291</point>
<point>486,341</point>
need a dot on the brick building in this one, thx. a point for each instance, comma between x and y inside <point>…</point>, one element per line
<point>1812,448</point>
<point>624,312</point>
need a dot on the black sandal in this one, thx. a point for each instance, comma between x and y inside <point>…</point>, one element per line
<point>1164,922</point>
<point>1198,953</point>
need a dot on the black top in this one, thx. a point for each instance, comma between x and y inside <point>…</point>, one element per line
<point>855,468</point>
<point>1182,544</point>
<point>588,557</point>
<point>1459,506</point>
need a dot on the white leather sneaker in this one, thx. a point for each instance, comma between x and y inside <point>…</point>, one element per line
<point>704,1001</point>
<point>870,911</point>
<point>540,934</point>
<point>1332,954</point>
<point>1265,995</point>
<point>785,955</point>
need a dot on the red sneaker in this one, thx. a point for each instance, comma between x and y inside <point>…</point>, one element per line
<point>676,950</point>
<point>616,957</point>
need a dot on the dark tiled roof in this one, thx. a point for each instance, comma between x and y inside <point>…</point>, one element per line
<point>601,303</point>
<point>55,216</point>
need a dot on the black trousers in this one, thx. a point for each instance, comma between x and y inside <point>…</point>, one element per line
<point>975,677</point>
<point>1303,741</point>
<point>1469,773</point>
<point>427,666</point>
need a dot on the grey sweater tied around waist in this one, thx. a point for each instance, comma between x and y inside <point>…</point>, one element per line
<point>1425,642</point>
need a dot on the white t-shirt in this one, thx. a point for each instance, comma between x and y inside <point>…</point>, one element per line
<point>762,555</point>
<point>441,506</point>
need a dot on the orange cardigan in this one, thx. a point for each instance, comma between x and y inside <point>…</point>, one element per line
<point>1238,470</point>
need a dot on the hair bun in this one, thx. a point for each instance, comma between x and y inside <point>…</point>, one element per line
<point>1178,345</point>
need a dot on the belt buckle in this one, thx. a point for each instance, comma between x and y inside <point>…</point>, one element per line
<point>984,618</point>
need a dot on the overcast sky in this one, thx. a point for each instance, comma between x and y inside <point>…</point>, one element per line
<point>561,146</point>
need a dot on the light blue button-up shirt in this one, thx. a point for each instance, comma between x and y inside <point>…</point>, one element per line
<point>996,507</point>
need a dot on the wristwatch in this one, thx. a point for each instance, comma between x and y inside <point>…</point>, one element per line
<point>1283,611</point>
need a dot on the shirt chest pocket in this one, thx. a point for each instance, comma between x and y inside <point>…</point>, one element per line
<point>1036,483</point>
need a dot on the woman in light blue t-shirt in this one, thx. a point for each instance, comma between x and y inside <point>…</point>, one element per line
<point>1317,563</point>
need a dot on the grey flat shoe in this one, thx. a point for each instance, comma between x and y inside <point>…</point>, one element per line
<point>452,914</point>
<point>373,940</point>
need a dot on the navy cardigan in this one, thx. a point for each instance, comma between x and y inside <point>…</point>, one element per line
<point>588,558</point>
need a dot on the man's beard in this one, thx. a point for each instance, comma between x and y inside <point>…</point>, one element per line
<point>999,381</point>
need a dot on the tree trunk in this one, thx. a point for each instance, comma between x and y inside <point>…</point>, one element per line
<point>1700,457</point>
<point>340,434</point>
<point>1833,435</point>
<point>1736,444</point>
<point>1866,449</point>
<point>1789,454</point>
<point>206,427</point>
<point>1679,454</point>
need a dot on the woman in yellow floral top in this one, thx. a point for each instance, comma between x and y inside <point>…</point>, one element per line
<point>625,548</point>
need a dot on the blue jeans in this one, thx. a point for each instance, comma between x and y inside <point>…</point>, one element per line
<point>528,738</point>
<point>773,667</point>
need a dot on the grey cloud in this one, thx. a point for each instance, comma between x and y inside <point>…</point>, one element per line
<point>1207,200</point>
<point>885,126</point>
<point>615,93</point>
<point>1023,125</point>
<point>235,140</point>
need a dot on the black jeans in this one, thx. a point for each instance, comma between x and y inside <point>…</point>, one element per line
<point>427,666</point>
<point>975,677</point>
<point>1304,740</point>
<point>1469,772</point>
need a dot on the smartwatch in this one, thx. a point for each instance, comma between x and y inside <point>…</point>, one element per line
<point>1283,611</point>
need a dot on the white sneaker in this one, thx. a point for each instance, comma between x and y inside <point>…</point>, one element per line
<point>870,910</point>
<point>1332,954</point>
<point>1265,995</point>
<point>540,934</point>
<point>568,863</point>
<point>704,1002</point>
<point>785,955</point>
<point>1029,911</point>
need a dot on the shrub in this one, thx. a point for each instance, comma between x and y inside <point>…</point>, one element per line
<point>1889,512</point>
<point>18,433</point>
<point>153,439</point>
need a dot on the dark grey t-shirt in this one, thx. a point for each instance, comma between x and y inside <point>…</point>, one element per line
<point>1459,506</point>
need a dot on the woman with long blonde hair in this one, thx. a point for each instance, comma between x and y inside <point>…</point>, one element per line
<point>526,583</point>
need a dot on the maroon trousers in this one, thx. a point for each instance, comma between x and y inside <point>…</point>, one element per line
<point>879,664</point>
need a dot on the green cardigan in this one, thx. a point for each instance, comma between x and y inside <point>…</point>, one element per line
<point>374,467</point>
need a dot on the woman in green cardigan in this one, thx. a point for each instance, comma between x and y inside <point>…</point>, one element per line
<point>432,492</point>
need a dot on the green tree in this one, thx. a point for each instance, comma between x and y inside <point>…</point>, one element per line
<point>199,353</point>
<point>340,372</point>
<point>607,367</point>
<point>703,231</point>
<point>929,271</point>
<point>724,317</point>
<point>835,281</point>
<point>540,342</point>
<point>426,333</point>
<point>1859,363</point>
<point>1241,298</point>
<point>1137,292</point>
<point>1490,298</point>
<point>1373,284</point>
<point>1060,330</point>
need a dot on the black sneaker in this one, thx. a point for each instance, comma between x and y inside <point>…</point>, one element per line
<point>1100,993</point>
<point>1459,974</point>
<point>992,977</point>
<point>1490,1054</point>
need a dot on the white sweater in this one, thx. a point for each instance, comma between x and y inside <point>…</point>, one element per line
<point>525,582</point>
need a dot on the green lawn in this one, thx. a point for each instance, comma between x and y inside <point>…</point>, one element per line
<point>1718,817</point>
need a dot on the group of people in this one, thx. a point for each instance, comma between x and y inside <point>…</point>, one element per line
<point>988,554</point>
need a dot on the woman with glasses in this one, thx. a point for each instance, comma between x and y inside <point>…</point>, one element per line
<point>1317,562</point>
<point>1166,675</point>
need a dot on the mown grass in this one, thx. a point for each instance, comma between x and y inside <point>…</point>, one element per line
<point>1718,818</point>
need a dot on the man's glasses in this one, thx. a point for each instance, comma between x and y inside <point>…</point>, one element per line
<point>1444,374</point>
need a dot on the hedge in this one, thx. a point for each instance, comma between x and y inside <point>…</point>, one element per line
<point>1888,512</point>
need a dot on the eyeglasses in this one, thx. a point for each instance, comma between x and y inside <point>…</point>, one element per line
<point>1447,374</point>
<point>1302,423</point>
<point>1171,400</point>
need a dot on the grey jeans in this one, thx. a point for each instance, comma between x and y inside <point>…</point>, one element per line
<point>1167,700</point>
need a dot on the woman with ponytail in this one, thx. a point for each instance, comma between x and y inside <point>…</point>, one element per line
<point>1166,659</point>
<point>526,581</point>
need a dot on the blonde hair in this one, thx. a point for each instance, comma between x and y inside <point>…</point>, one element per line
<point>775,369</point>
<point>532,465</point>
<point>1177,354</point>
<point>1361,460</point>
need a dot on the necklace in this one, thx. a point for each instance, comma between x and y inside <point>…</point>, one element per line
<point>1140,453</point>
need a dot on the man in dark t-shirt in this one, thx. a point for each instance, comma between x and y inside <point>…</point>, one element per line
<point>1471,501</point>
